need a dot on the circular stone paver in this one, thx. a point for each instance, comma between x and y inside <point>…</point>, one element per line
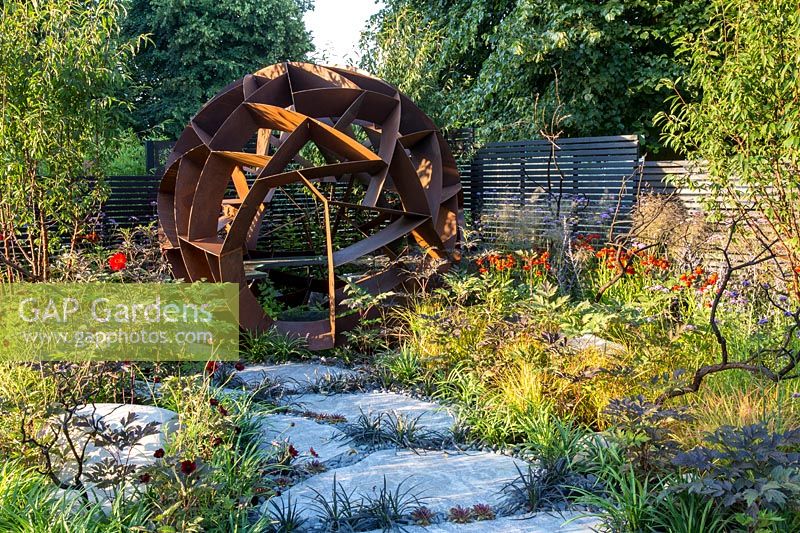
<point>430,416</point>
<point>527,523</point>
<point>293,377</point>
<point>113,413</point>
<point>440,480</point>
<point>305,435</point>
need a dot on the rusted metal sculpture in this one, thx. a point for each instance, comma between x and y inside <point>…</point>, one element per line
<point>382,172</point>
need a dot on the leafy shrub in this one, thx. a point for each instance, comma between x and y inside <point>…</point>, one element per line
<point>748,470</point>
<point>644,431</point>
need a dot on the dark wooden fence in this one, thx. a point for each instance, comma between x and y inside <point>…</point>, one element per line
<point>131,200</point>
<point>523,186</point>
<point>517,186</point>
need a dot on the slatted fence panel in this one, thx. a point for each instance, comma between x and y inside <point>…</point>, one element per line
<point>462,145</point>
<point>522,186</point>
<point>666,177</point>
<point>131,200</point>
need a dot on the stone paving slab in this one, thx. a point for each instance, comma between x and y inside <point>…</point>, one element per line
<point>432,417</point>
<point>593,342</point>
<point>140,455</point>
<point>528,523</point>
<point>305,434</point>
<point>441,480</point>
<point>294,377</point>
<point>112,413</point>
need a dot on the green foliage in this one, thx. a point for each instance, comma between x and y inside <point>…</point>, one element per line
<point>626,500</point>
<point>268,297</point>
<point>29,502</point>
<point>63,63</point>
<point>737,110</point>
<point>129,156</point>
<point>490,64</point>
<point>200,46</point>
<point>273,346</point>
<point>220,436</point>
<point>689,513</point>
<point>384,508</point>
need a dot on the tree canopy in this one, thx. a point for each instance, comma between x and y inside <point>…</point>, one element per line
<point>62,64</point>
<point>738,110</point>
<point>199,46</point>
<point>490,63</point>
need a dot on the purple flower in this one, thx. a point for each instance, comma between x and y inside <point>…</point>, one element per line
<point>763,321</point>
<point>796,395</point>
<point>788,313</point>
<point>783,298</point>
<point>745,283</point>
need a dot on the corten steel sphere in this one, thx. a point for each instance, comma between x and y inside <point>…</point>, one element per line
<point>361,165</point>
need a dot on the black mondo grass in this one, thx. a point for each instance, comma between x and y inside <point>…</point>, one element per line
<point>385,508</point>
<point>396,429</point>
<point>285,516</point>
<point>535,489</point>
<point>342,512</point>
<point>392,508</point>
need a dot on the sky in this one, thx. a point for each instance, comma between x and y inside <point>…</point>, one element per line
<point>336,26</point>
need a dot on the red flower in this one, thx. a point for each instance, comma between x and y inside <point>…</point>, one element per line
<point>144,478</point>
<point>482,270</point>
<point>239,366</point>
<point>212,366</point>
<point>222,411</point>
<point>293,451</point>
<point>159,453</point>
<point>214,402</point>
<point>92,237</point>
<point>313,452</point>
<point>156,379</point>
<point>117,262</point>
<point>187,467</point>
<point>216,441</point>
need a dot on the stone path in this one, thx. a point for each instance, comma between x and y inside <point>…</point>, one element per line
<point>346,440</point>
<point>112,414</point>
<point>326,441</point>
<point>293,377</point>
<point>428,416</point>
<point>436,479</point>
<point>527,523</point>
